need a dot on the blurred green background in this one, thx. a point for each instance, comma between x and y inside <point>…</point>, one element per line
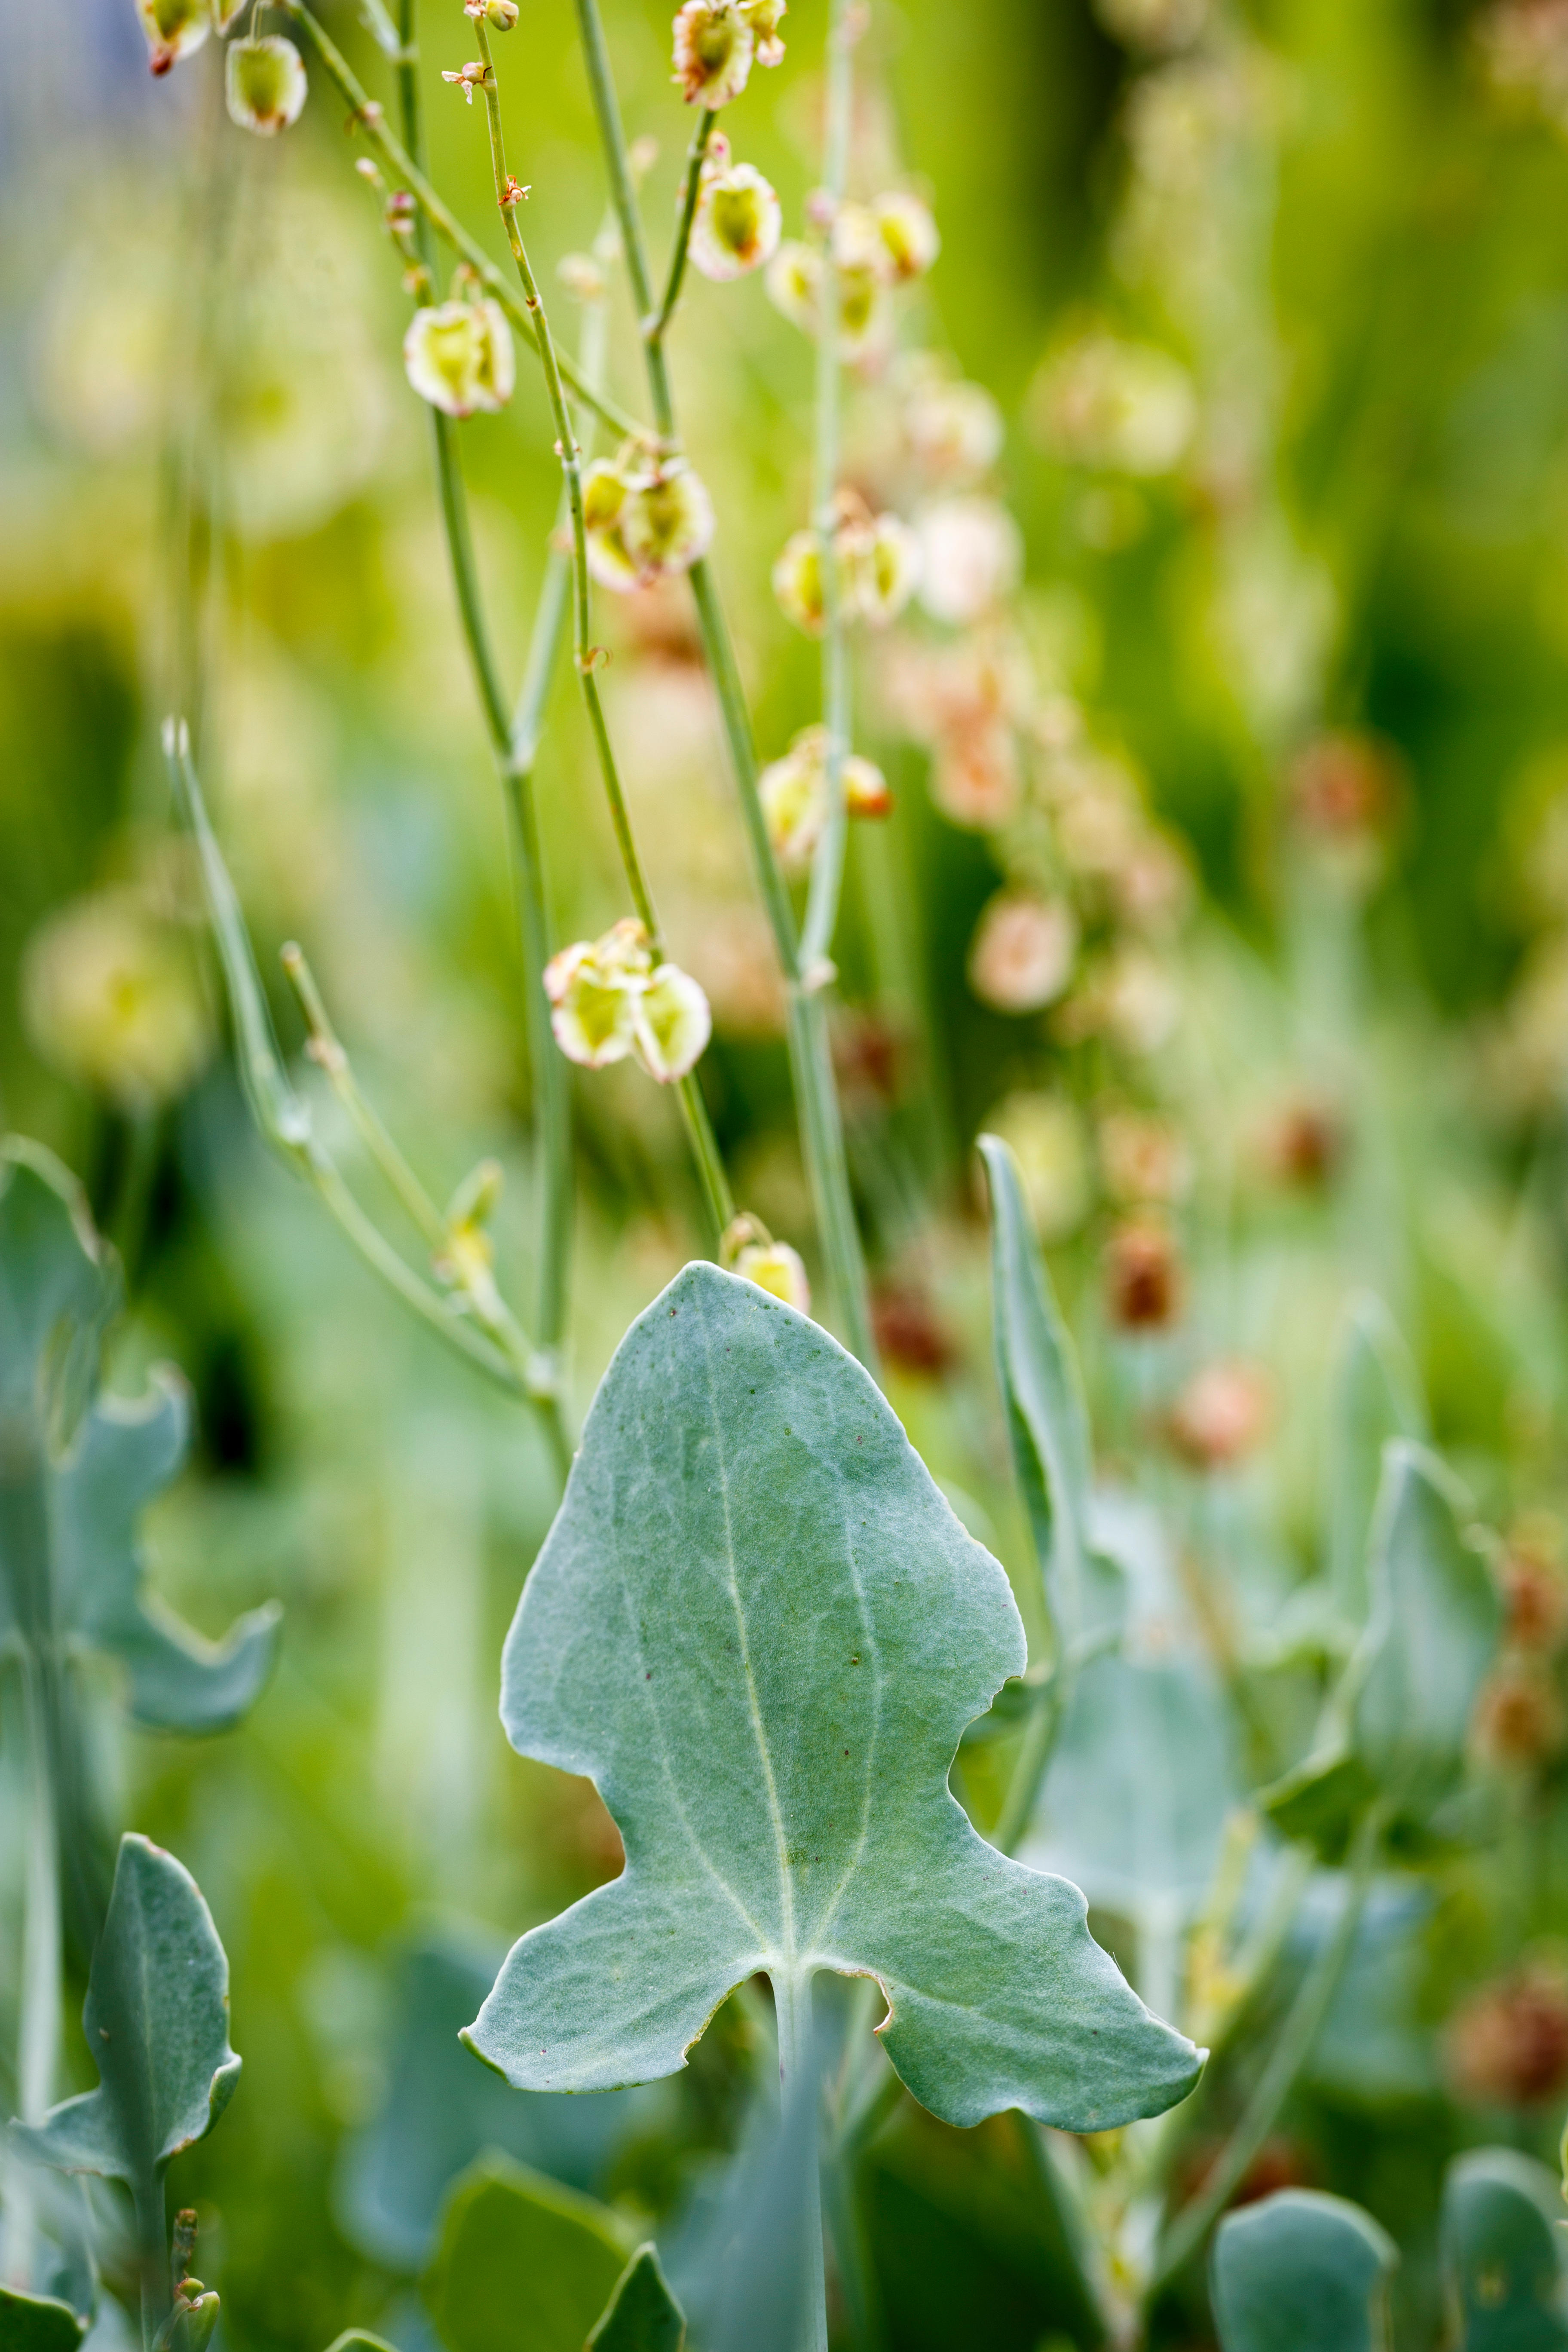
<point>1346,230</point>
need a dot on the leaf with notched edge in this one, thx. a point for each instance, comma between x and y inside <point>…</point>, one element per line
<point>757,1626</point>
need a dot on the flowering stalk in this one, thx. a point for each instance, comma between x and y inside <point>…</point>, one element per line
<point>515,744</point>
<point>509,195</point>
<point>368,115</point>
<point>811,1059</point>
<point>654,329</point>
<point>827,862</point>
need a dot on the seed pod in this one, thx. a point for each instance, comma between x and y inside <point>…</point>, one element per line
<point>775,1267</point>
<point>793,794</point>
<point>458,356</point>
<point>110,996</point>
<point>666,522</point>
<point>672,1024</point>
<point>1222,1415</point>
<point>908,233</point>
<point>591,988</point>
<point>764,17</point>
<point>264,82</point>
<point>1508,2044</point>
<point>794,283</point>
<point>714,46</point>
<point>882,563</point>
<point>1023,952</point>
<point>971,558</point>
<point>798,580</point>
<point>1143,1278</point>
<point>737,224</point>
<point>174,29</point>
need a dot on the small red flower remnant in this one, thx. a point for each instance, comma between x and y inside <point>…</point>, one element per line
<point>1222,1414</point>
<point>174,29</point>
<point>1142,1278</point>
<point>1508,2044</point>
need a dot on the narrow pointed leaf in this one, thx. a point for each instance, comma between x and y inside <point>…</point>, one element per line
<point>1300,2272</point>
<point>523,2264</point>
<point>1047,1420</point>
<point>1501,2240</point>
<point>38,2322</point>
<point>1377,1397</point>
<point>758,1627</point>
<point>156,2022</point>
<point>642,2315</point>
<point>359,2339</point>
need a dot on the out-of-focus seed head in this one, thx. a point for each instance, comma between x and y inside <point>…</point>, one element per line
<point>1344,789</point>
<point>738,223</point>
<point>110,997</point>
<point>1158,26</point>
<point>764,17</point>
<point>582,276</point>
<point>793,794</point>
<point>775,1267</point>
<point>794,283</point>
<point>591,987</point>
<point>797,582</point>
<point>264,83</point>
<point>1303,1143</point>
<point>714,46</point>
<point>976,780</point>
<point>1143,1283</point>
<point>458,356</point>
<point>672,1024</point>
<point>1518,1723</point>
<point>1022,955</point>
<point>1535,1588</point>
<point>1143,1160</point>
<point>881,564</point>
<point>1222,1414</point>
<point>954,430</point>
<point>907,234</point>
<point>1116,406</point>
<point>971,558</point>
<point>910,1332</point>
<point>174,29</point>
<point>1506,2046</point>
<point>867,792</point>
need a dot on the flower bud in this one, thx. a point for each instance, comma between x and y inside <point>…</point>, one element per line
<point>764,17</point>
<point>1222,1415</point>
<point>775,1267</point>
<point>199,2320</point>
<point>458,356</point>
<point>1023,952</point>
<point>737,224</point>
<point>972,557</point>
<point>110,996</point>
<point>501,16</point>
<point>673,1023</point>
<point>264,82</point>
<point>907,234</point>
<point>881,560</point>
<point>714,46</point>
<point>174,28</point>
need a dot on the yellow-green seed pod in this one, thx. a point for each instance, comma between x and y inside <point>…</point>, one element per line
<point>458,356</point>
<point>174,28</point>
<point>265,85</point>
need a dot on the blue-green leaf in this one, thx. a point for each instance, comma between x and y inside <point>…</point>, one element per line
<point>1376,1396</point>
<point>38,2322</point>
<point>1501,2258</point>
<point>156,2022</point>
<point>1300,2272</point>
<point>642,2315</point>
<point>1047,1420</point>
<point>523,2263</point>
<point>758,1627</point>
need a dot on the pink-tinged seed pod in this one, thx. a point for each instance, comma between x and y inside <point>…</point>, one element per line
<point>591,986</point>
<point>954,430</point>
<point>793,794</point>
<point>458,357</point>
<point>1023,952</point>
<point>264,84</point>
<point>764,17</point>
<point>738,222</point>
<point>672,1024</point>
<point>907,234</point>
<point>975,780</point>
<point>1507,2046</point>
<point>775,1267</point>
<point>714,46</point>
<point>174,29</point>
<point>971,558</point>
<point>1222,1415</point>
<point>794,283</point>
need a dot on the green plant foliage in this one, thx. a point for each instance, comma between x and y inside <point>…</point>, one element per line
<point>1399,1719</point>
<point>1047,1420</point>
<point>156,2022</point>
<point>1502,2240</point>
<point>1301,2271</point>
<point>523,2264</point>
<point>1376,1396</point>
<point>758,1627</point>
<point>359,2339</point>
<point>38,2322</point>
<point>642,2316</point>
<point>74,1484</point>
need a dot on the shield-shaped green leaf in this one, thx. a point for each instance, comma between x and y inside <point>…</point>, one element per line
<point>1501,2253</point>
<point>1399,1719</point>
<point>38,2322</point>
<point>1047,1420</point>
<point>758,1627</point>
<point>523,2264</point>
<point>642,2315</point>
<point>156,2022</point>
<point>1300,2272</point>
<point>73,1483</point>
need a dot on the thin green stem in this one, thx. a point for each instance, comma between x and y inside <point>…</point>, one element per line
<point>827,858</point>
<point>811,1059</point>
<point>153,2256</point>
<point>654,330</point>
<point>792,2005</point>
<point>1290,2054</point>
<point>39,2021</point>
<point>368,115</point>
